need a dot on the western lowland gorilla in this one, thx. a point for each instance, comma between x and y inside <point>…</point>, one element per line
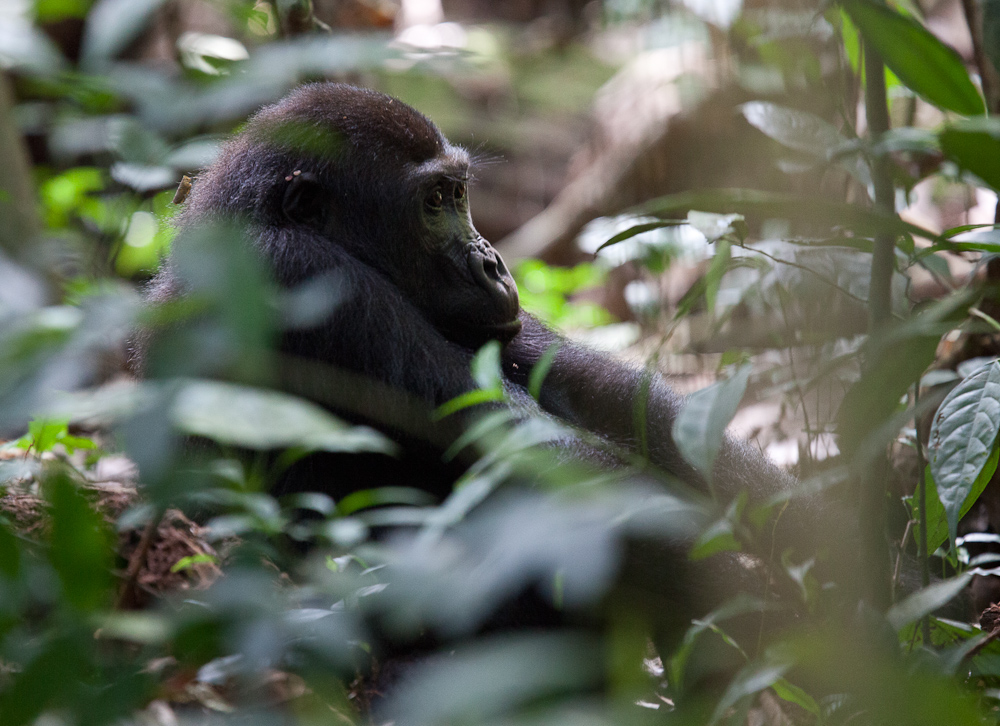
<point>345,180</point>
<point>350,183</point>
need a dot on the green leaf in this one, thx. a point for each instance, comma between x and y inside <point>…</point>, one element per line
<point>716,270</point>
<point>718,537</point>
<point>753,678</point>
<point>793,694</point>
<point>926,601</point>
<point>467,400</point>
<point>486,369</point>
<point>185,563</point>
<point>974,145</point>
<point>717,226</point>
<point>721,535</point>
<point>111,26</point>
<point>937,522</point>
<point>80,545</point>
<point>804,132</point>
<point>45,433</point>
<point>701,425</point>
<point>382,497</point>
<point>893,365</point>
<point>937,519</point>
<point>541,369</point>
<point>963,437</point>
<point>48,676</point>
<point>921,61</point>
<point>799,130</point>
<point>260,419</point>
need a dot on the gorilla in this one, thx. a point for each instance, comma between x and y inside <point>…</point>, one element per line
<point>335,179</point>
<point>347,184</point>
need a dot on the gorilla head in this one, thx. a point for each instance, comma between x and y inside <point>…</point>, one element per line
<point>334,166</point>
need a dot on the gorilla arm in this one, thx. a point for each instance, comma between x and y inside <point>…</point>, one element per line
<point>598,393</point>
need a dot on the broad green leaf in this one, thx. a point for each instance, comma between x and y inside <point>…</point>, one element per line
<point>381,497</point>
<point>906,138</point>
<point>24,47</point>
<point>793,694</point>
<point>963,436</point>
<point>716,226</point>
<point>60,664</point>
<point>921,61</point>
<point>753,678</point>
<point>260,419</point>
<point>145,627</point>
<point>926,601</point>
<point>804,132</point>
<point>717,538</point>
<point>720,536</point>
<point>111,26</point>
<point>80,549</point>
<point>871,401</point>
<point>894,362</point>
<point>936,265</point>
<point>486,368</point>
<point>701,425</point>
<point>44,434</point>
<point>799,130</point>
<point>974,145</point>
<point>937,520</point>
<point>489,679</point>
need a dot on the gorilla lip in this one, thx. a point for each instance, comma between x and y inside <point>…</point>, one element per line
<point>509,329</point>
<point>482,333</point>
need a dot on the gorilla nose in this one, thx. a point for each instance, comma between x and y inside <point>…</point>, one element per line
<point>491,274</point>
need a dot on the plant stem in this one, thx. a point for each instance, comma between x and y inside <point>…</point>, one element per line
<point>873,494</point>
<point>17,195</point>
<point>925,571</point>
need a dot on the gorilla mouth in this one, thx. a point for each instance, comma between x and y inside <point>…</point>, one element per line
<point>473,335</point>
<point>505,332</point>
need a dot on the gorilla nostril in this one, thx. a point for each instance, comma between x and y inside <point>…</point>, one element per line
<point>491,269</point>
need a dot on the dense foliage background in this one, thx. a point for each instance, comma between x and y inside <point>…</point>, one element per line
<point>793,203</point>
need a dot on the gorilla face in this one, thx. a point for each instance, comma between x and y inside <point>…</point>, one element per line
<point>371,175</point>
<point>477,298</point>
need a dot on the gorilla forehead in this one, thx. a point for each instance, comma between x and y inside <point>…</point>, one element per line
<point>367,120</point>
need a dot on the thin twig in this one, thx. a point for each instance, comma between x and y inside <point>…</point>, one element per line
<point>126,595</point>
<point>922,554</point>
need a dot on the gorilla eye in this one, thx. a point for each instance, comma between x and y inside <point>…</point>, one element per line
<point>436,200</point>
<point>460,191</point>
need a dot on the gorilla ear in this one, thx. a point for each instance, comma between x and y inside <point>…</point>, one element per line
<point>304,201</point>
